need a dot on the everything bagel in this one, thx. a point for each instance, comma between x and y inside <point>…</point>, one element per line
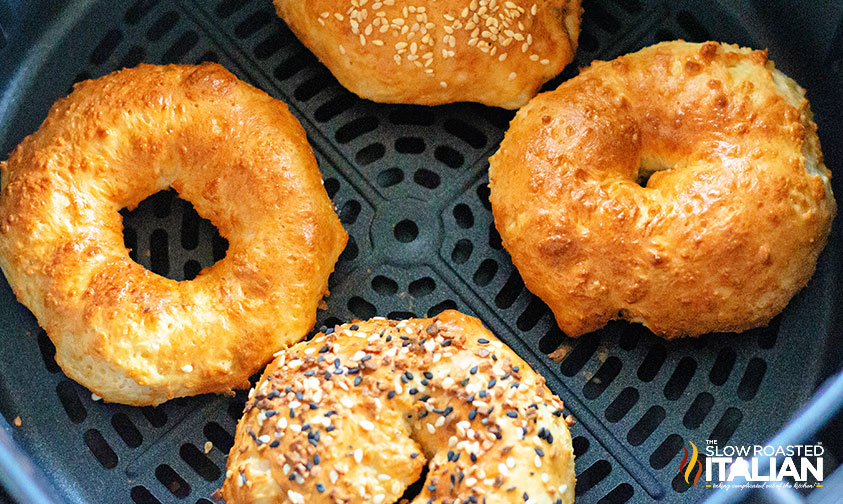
<point>240,157</point>
<point>355,414</point>
<point>726,230</point>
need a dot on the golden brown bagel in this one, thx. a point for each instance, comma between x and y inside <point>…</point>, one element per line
<point>728,227</point>
<point>354,416</point>
<point>496,52</point>
<point>240,157</point>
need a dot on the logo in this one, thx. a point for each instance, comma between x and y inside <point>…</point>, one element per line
<point>753,466</point>
<point>686,467</point>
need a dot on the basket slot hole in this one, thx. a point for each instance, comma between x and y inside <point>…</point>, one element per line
<point>576,359</point>
<point>727,426</point>
<point>351,250</point>
<point>631,6</point>
<point>161,203</point>
<point>422,287</point>
<point>219,246</point>
<point>450,157</point>
<point>698,411</point>
<point>390,177</point>
<point>436,309</point>
<point>463,216</point>
<point>400,315</point>
<point>312,87</point>
<point>409,145</point>
<point>645,427</point>
<point>172,481</point>
<point>511,290</point>
<point>415,488</point>
<point>190,229</point>
<point>602,378</point>
<point>752,377</point>
<point>218,436</point>
<point>603,19</point>
<point>486,272</point>
<point>384,286</point>
<point>125,428</point>
<point>162,25</point>
<point>204,501</point>
<point>334,107</point>
<point>48,351</point>
<point>619,495</point>
<point>350,211</point>
<point>155,415</point>
<point>630,336</point>
<point>412,116</point>
<point>666,451</point>
<point>680,378</point>
<point>483,193</point>
<point>462,251</point>
<point>589,478</point>
<point>371,153</point>
<point>624,402</point>
<point>332,186</point>
<point>100,449</point>
<point>692,27</point>
<point>159,252</point>
<point>652,363</point>
<point>427,179</point>
<point>76,412</point>
<point>272,44</point>
<point>228,7</point>
<point>722,368</point>
<point>356,129</point>
<point>535,310</point>
<point>106,47</point>
<point>235,408</point>
<point>133,57</point>
<point>406,231</point>
<point>181,47</point>
<point>130,241</point>
<point>140,495</point>
<point>361,308</point>
<point>199,462</point>
<point>253,22</point>
<point>293,65</point>
<point>551,340</point>
<point>495,241</point>
<point>209,56</point>
<point>138,10</point>
<point>580,445</point>
<point>466,132</point>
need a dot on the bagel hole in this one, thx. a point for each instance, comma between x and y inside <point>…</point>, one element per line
<point>415,489</point>
<point>166,235</point>
<point>649,166</point>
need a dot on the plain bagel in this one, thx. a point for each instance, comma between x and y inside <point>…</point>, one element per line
<point>726,230</point>
<point>355,414</point>
<point>240,157</point>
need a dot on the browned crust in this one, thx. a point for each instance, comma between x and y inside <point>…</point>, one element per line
<point>244,162</point>
<point>440,391</point>
<point>380,49</point>
<point>720,242</point>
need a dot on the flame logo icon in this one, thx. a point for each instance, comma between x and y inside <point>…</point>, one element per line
<point>687,467</point>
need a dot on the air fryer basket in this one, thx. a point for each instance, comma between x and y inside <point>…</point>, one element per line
<point>410,186</point>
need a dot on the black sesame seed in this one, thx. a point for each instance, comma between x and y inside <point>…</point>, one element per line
<point>428,375</point>
<point>470,399</point>
<point>389,338</point>
<point>313,405</point>
<point>354,327</point>
<point>390,394</point>
<point>448,411</point>
<point>270,413</point>
<point>557,413</point>
<point>320,487</point>
<point>539,452</point>
<point>473,370</point>
<point>273,394</point>
<point>464,382</point>
<point>330,428</point>
<point>365,358</point>
<point>424,398</point>
<point>309,373</point>
<point>358,380</point>
<point>492,383</point>
<point>472,414</point>
<point>404,379</point>
<point>483,341</point>
<point>425,382</point>
<point>324,349</point>
<point>299,396</point>
<point>409,375</point>
<point>422,414</point>
<point>431,487</point>
<point>317,459</point>
<point>274,444</point>
<point>413,391</point>
<point>446,343</point>
<point>512,414</point>
<point>329,331</point>
<point>473,457</point>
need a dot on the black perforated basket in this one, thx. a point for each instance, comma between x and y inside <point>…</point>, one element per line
<point>410,185</point>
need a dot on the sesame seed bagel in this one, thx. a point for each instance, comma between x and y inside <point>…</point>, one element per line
<point>496,52</point>
<point>727,228</point>
<point>355,414</point>
<point>237,154</point>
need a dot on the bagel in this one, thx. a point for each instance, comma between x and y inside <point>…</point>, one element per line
<point>494,52</point>
<point>240,157</point>
<point>726,229</point>
<point>355,414</point>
